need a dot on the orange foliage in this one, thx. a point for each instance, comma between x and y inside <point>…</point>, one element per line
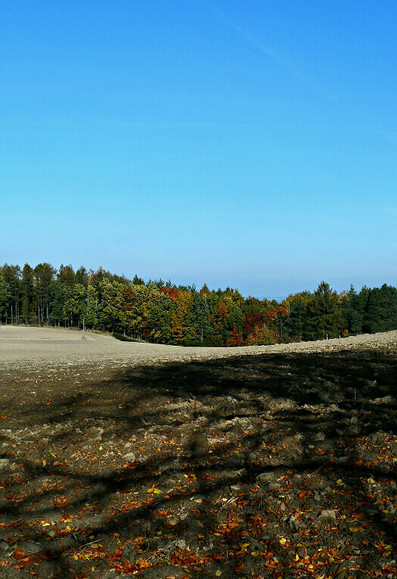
<point>171,292</point>
<point>235,339</point>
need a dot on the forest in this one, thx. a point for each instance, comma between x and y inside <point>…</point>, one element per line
<point>161,312</point>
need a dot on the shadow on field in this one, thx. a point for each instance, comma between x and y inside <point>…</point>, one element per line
<point>169,466</point>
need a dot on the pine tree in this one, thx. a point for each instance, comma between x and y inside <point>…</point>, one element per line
<point>13,276</point>
<point>381,309</point>
<point>28,309</point>
<point>199,324</point>
<point>5,298</point>
<point>43,277</point>
<point>324,314</point>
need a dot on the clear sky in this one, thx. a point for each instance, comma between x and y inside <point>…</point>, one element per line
<point>241,143</point>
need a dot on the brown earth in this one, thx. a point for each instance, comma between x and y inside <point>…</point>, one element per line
<point>121,459</point>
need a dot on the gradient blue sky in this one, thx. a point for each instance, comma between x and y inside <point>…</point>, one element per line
<point>248,143</point>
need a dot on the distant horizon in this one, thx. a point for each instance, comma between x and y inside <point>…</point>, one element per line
<point>211,287</point>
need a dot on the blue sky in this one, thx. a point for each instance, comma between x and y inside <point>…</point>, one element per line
<point>248,143</point>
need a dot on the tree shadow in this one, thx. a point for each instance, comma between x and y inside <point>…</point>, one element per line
<point>225,465</point>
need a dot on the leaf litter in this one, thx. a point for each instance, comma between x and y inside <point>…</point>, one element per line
<point>278,466</point>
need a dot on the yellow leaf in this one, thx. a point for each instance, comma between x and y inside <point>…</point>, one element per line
<point>355,529</point>
<point>218,573</point>
<point>44,462</point>
<point>283,540</point>
<point>157,491</point>
<point>339,482</point>
<point>296,557</point>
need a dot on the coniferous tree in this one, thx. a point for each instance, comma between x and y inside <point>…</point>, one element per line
<point>91,318</point>
<point>5,298</point>
<point>66,275</point>
<point>137,280</point>
<point>324,314</point>
<point>13,277</point>
<point>361,306</point>
<point>200,321</point>
<point>28,295</point>
<point>381,309</point>
<point>43,277</point>
<point>57,301</point>
<point>82,276</point>
<point>353,312</point>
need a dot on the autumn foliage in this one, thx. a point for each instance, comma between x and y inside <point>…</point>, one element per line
<point>168,314</point>
<point>236,339</point>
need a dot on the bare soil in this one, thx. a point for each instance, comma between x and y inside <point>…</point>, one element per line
<point>121,459</point>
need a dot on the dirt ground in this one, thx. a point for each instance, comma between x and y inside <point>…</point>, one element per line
<point>124,459</point>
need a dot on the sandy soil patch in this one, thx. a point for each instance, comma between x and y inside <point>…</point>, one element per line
<point>27,346</point>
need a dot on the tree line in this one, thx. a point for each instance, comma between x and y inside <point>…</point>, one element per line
<point>161,312</point>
